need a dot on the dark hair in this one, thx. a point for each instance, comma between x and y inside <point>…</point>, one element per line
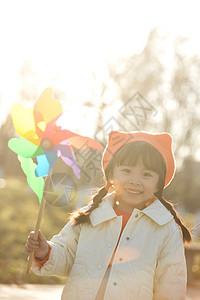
<point>129,155</point>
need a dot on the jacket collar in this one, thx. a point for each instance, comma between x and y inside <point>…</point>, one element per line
<point>156,211</point>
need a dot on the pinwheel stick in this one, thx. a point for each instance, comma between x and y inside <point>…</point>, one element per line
<point>37,227</point>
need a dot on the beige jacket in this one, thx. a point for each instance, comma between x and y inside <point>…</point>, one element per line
<point>149,262</point>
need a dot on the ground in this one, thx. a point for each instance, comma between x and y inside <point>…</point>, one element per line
<point>53,292</point>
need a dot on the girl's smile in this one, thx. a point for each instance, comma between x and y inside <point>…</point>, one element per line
<point>134,186</point>
<point>133,192</point>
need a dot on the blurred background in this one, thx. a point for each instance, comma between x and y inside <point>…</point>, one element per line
<point>114,65</point>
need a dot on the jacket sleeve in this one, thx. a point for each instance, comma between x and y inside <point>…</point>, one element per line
<point>171,273</point>
<point>62,255</point>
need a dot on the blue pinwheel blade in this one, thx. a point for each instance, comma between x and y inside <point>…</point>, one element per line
<point>45,163</point>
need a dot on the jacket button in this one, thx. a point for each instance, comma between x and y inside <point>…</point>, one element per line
<point>115,283</point>
<point>136,215</point>
<point>128,238</point>
<point>99,267</point>
<point>120,259</point>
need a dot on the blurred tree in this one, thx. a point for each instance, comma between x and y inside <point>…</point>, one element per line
<point>30,85</point>
<point>32,82</point>
<point>8,159</point>
<point>188,184</point>
<point>167,79</point>
<point>185,187</point>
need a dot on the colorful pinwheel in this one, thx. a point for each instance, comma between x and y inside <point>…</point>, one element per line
<point>42,139</point>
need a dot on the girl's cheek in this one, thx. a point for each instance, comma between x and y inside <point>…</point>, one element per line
<point>117,186</point>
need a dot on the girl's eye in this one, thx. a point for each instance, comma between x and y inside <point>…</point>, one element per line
<point>126,170</point>
<point>147,175</point>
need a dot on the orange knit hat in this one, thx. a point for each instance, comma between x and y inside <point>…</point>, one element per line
<point>161,141</point>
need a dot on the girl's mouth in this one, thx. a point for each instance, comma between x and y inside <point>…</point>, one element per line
<point>133,192</point>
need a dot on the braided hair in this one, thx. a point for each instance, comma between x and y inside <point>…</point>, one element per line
<point>79,217</point>
<point>187,238</point>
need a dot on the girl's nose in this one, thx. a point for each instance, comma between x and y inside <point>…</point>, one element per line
<point>134,179</point>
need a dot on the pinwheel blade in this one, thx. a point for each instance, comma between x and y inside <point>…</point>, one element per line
<point>78,141</point>
<point>24,148</point>
<point>46,107</point>
<point>35,183</point>
<point>23,120</point>
<point>65,151</point>
<point>45,163</point>
<point>83,142</point>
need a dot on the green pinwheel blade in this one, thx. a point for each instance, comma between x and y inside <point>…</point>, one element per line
<point>35,183</point>
<point>24,148</point>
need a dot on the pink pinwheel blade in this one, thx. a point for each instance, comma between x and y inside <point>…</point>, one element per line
<point>53,133</point>
<point>76,140</point>
<point>83,142</point>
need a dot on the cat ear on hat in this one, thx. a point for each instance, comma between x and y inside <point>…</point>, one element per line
<point>113,132</point>
<point>165,139</point>
<point>114,137</point>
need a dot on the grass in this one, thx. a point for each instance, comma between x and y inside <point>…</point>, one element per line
<point>18,213</point>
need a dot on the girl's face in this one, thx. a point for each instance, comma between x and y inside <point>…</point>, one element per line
<point>134,186</point>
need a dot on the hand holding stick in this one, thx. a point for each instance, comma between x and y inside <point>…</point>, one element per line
<point>38,222</point>
<point>37,227</point>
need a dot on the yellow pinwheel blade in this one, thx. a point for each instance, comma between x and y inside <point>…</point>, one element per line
<point>23,120</point>
<point>46,107</point>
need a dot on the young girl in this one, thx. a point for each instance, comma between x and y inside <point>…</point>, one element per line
<point>127,244</point>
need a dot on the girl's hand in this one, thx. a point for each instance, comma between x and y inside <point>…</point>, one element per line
<point>39,246</point>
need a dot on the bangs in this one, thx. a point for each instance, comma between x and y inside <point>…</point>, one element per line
<point>133,153</point>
